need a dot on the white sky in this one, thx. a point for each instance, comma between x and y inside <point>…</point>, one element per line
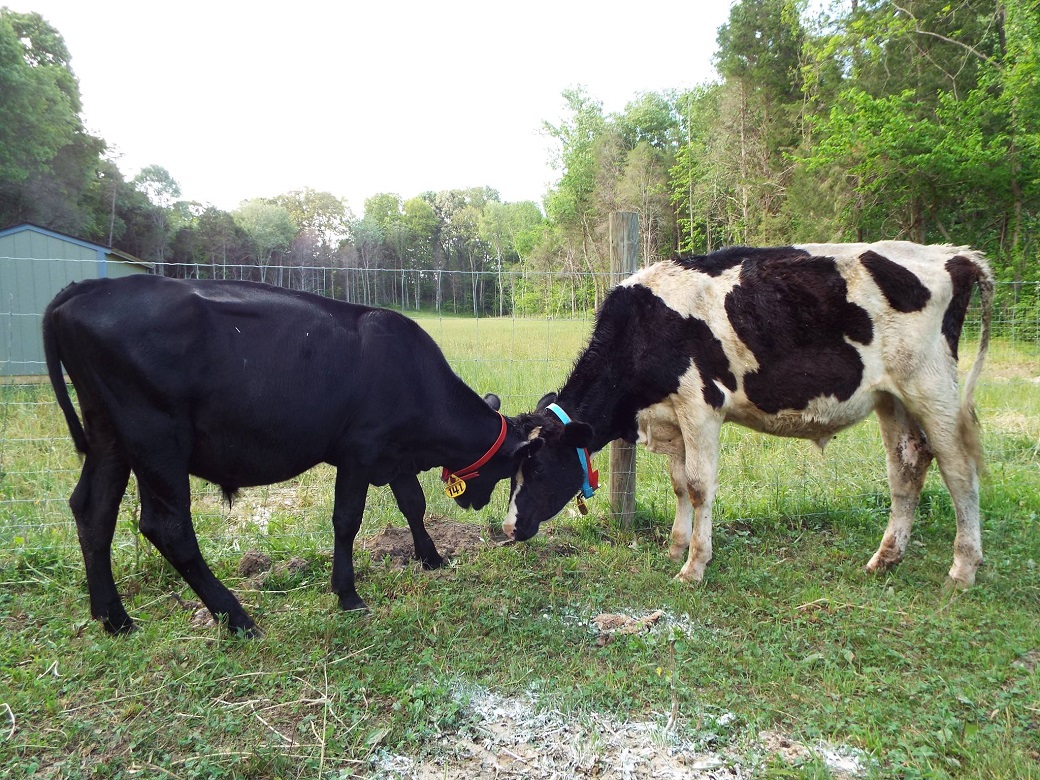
<point>240,100</point>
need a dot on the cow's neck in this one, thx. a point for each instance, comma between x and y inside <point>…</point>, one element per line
<point>596,394</point>
<point>468,431</point>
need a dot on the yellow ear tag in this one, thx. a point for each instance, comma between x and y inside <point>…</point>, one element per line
<point>456,487</point>
<point>581,505</point>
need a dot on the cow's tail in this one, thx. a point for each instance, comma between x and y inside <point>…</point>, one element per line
<point>52,353</point>
<point>968,422</point>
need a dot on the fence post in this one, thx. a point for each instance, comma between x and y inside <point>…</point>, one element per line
<point>624,261</point>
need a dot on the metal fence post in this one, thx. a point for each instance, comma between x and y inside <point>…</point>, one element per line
<point>624,261</point>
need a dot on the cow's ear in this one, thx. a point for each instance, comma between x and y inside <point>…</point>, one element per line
<point>493,401</point>
<point>528,449</point>
<point>547,399</point>
<point>576,434</point>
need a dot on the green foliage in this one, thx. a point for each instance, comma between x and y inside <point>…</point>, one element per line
<point>41,97</point>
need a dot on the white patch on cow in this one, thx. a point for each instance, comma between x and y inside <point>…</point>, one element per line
<point>509,524</point>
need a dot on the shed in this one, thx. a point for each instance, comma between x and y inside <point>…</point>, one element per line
<point>35,264</point>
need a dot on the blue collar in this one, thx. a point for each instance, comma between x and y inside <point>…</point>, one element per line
<point>591,481</point>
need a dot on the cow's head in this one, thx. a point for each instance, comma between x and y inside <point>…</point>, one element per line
<point>548,471</point>
<point>502,465</point>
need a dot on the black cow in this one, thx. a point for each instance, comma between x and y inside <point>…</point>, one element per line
<point>793,341</point>
<point>245,384</point>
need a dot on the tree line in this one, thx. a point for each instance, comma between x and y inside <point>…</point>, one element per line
<point>869,120</point>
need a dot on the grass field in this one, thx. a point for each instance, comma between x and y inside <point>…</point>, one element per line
<point>788,662</point>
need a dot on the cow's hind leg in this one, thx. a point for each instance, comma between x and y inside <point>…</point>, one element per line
<point>347,513</point>
<point>954,442</point>
<point>412,503</point>
<point>908,455</point>
<point>95,505</point>
<point>166,523</point>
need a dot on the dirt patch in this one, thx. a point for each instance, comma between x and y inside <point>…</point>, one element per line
<point>453,540</point>
<point>257,567</point>
<point>1030,661</point>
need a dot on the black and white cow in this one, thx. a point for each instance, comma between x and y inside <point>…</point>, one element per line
<point>798,341</point>
<point>244,384</point>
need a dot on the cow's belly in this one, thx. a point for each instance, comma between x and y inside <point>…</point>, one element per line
<point>246,456</point>
<point>822,418</point>
<point>246,469</point>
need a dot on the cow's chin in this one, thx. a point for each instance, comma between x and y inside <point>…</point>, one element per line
<point>472,500</point>
<point>523,533</point>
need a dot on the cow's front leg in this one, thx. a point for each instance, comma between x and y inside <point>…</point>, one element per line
<point>349,508</point>
<point>682,527</point>
<point>412,503</point>
<point>702,466</point>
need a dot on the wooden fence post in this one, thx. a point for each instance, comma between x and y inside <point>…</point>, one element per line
<point>624,261</point>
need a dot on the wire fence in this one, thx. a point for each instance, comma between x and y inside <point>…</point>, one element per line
<point>520,358</point>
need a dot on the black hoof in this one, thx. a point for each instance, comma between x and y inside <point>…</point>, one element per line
<point>352,604</point>
<point>118,626</point>
<point>248,632</point>
<point>434,561</point>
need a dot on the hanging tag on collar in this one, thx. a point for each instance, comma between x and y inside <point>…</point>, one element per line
<point>455,486</point>
<point>582,507</point>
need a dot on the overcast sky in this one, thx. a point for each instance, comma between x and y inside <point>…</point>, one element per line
<point>253,99</point>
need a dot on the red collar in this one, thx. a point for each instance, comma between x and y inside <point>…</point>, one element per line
<point>471,471</point>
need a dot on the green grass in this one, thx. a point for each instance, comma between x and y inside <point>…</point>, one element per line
<point>787,634</point>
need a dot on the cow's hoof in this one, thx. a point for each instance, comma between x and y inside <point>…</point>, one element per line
<point>434,561</point>
<point>880,564</point>
<point>118,626</point>
<point>352,604</point>
<point>247,632</point>
<point>690,578</point>
<point>954,584</point>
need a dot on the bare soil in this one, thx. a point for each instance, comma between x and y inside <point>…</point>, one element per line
<point>393,545</point>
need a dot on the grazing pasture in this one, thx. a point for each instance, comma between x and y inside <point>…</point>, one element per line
<point>575,653</point>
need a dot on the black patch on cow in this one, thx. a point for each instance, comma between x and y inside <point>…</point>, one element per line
<point>639,350</point>
<point>900,286</point>
<point>964,274</point>
<point>710,360</point>
<point>794,315</point>
<point>721,261</point>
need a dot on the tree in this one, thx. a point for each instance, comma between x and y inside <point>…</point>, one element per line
<point>759,55</point>
<point>41,102</point>
<point>49,166</point>
<point>269,227</point>
<point>644,188</point>
<point>572,204</point>
<point>162,191</point>
<point>320,213</point>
